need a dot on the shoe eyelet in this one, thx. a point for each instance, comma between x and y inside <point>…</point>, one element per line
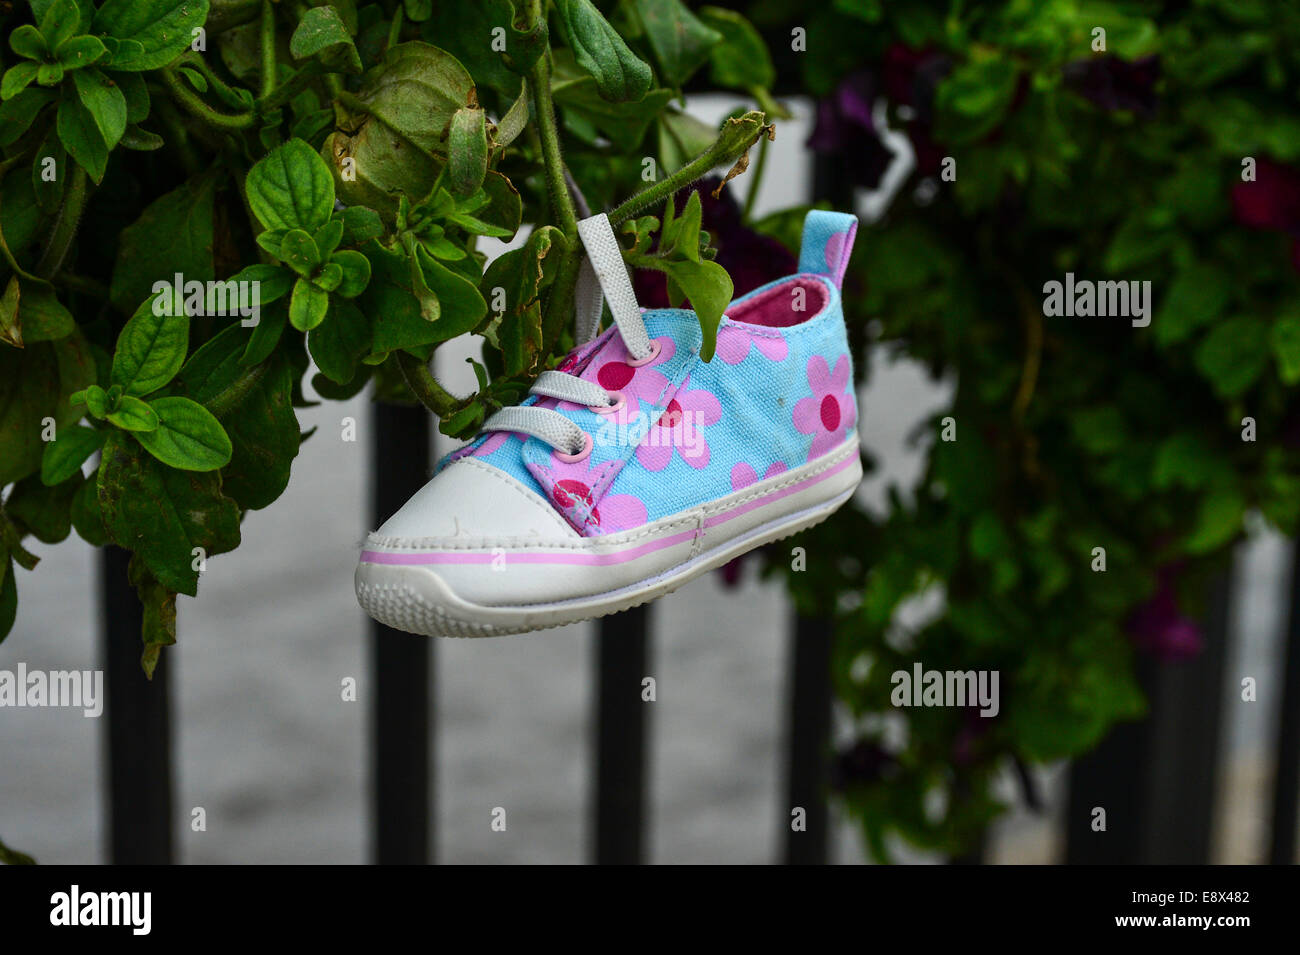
<point>582,455</point>
<point>655,348</point>
<point>620,402</point>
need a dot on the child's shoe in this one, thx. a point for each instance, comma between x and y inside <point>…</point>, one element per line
<point>637,466</point>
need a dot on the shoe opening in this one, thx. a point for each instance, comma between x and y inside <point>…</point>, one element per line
<point>791,302</point>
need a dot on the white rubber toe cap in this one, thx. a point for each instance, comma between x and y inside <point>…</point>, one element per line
<point>468,501</point>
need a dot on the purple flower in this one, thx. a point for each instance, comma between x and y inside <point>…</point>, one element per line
<point>845,129</point>
<point>1158,627</point>
<point>1113,83</point>
<point>863,762</point>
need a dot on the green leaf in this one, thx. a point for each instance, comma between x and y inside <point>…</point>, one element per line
<point>81,51</point>
<point>16,79</point>
<point>1099,430</point>
<point>462,304</point>
<point>96,401</point>
<point>84,511</point>
<point>623,123</point>
<point>173,235</point>
<point>30,312</point>
<point>44,511</point>
<point>308,306</point>
<point>360,224</point>
<point>1218,521</point>
<point>273,281</point>
<point>1233,355</point>
<point>467,151</point>
<point>680,40</point>
<point>137,96</point>
<point>709,288</point>
<point>266,333</point>
<point>27,41</point>
<point>69,450</point>
<point>9,613</point>
<point>17,115</point>
<point>291,188</point>
<point>150,33</point>
<point>140,140</point>
<point>59,22</point>
<point>133,414</point>
<point>36,383</point>
<point>338,345</point>
<point>522,274</point>
<point>392,300</point>
<point>974,98</point>
<point>682,237</point>
<point>321,33</point>
<point>415,93</point>
<point>1285,339</point>
<point>328,236</point>
<point>105,101</point>
<point>619,74</point>
<point>188,436</point>
<point>151,348</point>
<point>158,623</point>
<point>80,135</point>
<point>263,430</point>
<point>298,251</point>
<point>162,513</point>
<point>741,60</point>
<point>49,74</point>
<point>356,272</point>
<point>1197,296</point>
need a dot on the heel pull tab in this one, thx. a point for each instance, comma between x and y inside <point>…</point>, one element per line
<point>827,244</point>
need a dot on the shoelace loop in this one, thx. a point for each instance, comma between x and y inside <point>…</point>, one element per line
<point>603,278</point>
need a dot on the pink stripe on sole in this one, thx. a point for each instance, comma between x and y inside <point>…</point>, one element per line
<point>595,559</point>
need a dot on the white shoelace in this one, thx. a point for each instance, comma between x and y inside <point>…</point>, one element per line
<point>603,278</point>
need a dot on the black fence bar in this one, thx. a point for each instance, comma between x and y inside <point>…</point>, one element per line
<point>621,652</point>
<point>808,744</point>
<point>139,727</point>
<point>402,806</point>
<point>1156,780</point>
<point>1286,781</point>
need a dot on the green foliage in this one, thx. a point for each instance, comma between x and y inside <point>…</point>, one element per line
<point>198,202</point>
<point>183,175</point>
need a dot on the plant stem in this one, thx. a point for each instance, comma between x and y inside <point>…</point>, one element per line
<point>424,386</point>
<point>729,147</point>
<point>83,285</point>
<point>747,214</point>
<point>559,304</point>
<point>219,86</point>
<point>268,48</point>
<point>65,225</point>
<point>290,88</point>
<point>196,107</point>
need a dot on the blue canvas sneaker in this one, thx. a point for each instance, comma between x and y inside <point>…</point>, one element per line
<point>636,466</point>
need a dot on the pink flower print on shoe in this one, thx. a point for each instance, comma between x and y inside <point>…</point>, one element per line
<point>678,429</point>
<point>574,496</point>
<point>831,410</point>
<point>743,475</point>
<point>637,383</point>
<point>734,345</point>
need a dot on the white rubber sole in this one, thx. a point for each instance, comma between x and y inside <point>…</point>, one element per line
<point>414,598</point>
